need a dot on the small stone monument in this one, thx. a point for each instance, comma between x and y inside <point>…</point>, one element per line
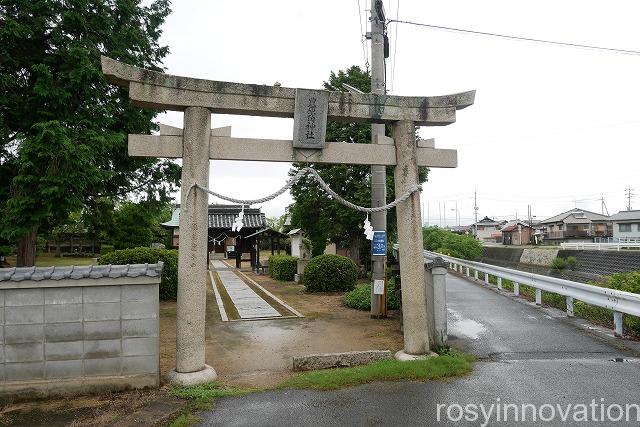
<point>299,250</point>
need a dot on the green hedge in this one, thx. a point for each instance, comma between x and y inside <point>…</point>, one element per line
<point>283,267</point>
<point>360,297</point>
<point>330,273</point>
<point>105,249</point>
<point>169,281</point>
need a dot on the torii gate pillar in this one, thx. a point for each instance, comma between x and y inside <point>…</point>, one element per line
<point>414,309</point>
<point>192,258</point>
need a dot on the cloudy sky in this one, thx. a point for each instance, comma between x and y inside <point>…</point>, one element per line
<point>552,127</point>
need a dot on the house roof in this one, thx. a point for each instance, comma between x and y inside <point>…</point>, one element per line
<point>487,221</point>
<point>513,226</point>
<point>222,216</point>
<point>576,216</point>
<point>626,216</point>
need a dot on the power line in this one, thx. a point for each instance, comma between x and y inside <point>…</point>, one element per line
<point>363,39</point>
<point>527,39</point>
<point>395,48</point>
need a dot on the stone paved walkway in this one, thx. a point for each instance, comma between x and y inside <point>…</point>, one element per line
<point>248,303</point>
<point>219,265</point>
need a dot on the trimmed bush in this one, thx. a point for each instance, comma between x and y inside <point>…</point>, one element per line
<point>169,281</point>
<point>558,263</point>
<point>330,273</point>
<point>283,267</point>
<point>360,297</point>
<point>105,249</point>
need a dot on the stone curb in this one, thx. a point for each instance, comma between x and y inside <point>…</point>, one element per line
<point>338,360</point>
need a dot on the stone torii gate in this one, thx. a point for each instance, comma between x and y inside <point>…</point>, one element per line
<point>196,144</point>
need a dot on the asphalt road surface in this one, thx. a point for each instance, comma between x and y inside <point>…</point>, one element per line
<point>535,367</point>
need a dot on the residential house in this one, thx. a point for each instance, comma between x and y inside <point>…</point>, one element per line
<point>577,225</point>
<point>626,225</point>
<point>488,230</point>
<point>517,233</point>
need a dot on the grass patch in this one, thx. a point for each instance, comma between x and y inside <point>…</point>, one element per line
<point>201,398</point>
<point>208,391</point>
<point>50,260</point>
<point>185,419</point>
<point>445,366</point>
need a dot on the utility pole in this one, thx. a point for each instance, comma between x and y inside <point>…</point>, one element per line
<point>603,206</point>
<point>444,213</point>
<point>378,173</point>
<point>475,209</point>
<point>629,193</point>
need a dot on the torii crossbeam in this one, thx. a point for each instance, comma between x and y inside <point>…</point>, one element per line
<point>196,144</point>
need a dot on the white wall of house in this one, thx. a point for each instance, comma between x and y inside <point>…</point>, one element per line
<point>486,232</point>
<point>626,230</point>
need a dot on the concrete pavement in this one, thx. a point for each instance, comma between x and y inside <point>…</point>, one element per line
<point>527,355</point>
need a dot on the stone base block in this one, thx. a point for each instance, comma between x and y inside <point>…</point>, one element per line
<point>206,375</point>
<point>338,360</point>
<point>405,357</point>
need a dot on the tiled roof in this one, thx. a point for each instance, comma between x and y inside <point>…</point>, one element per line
<point>487,221</point>
<point>626,216</point>
<point>222,216</point>
<point>18,274</point>
<point>576,214</point>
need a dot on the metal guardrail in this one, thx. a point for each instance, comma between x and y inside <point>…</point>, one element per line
<point>618,301</point>
<point>601,246</point>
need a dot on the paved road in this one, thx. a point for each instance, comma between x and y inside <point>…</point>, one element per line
<point>526,356</point>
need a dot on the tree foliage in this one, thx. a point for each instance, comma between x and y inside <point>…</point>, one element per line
<point>456,245</point>
<point>62,126</point>
<point>323,218</point>
<point>138,224</point>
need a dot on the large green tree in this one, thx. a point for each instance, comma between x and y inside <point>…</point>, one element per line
<point>62,127</point>
<point>322,217</point>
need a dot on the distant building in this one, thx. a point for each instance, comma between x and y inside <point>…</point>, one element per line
<point>488,230</point>
<point>461,229</point>
<point>577,225</point>
<point>221,239</point>
<point>626,225</point>
<point>517,233</point>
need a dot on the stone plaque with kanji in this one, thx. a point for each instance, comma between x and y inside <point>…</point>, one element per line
<point>310,118</point>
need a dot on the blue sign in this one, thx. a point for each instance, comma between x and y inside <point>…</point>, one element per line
<point>379,244</point>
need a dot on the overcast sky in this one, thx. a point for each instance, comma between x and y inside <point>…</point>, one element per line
<point>553,127</point>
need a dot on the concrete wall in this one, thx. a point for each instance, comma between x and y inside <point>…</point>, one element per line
<point>538,256</point>
<point>78,336</point>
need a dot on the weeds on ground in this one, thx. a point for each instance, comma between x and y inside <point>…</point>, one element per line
<point>201,398</point>
<point>447,365</point>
